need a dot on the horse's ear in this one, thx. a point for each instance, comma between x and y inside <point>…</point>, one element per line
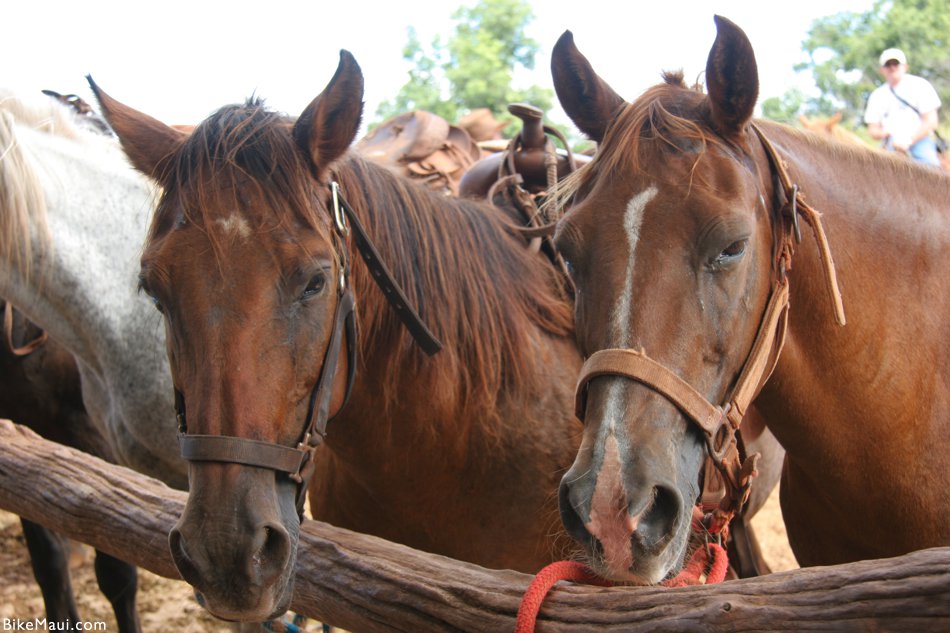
<point>147,142</point>
<point>835,119</point>
<point>585,97</point>
<point>732,78</point>
<point>329,124</point>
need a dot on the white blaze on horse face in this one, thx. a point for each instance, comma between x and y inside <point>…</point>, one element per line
<point>234,225</point>
<point>609,521</point>
<point>632,220</point>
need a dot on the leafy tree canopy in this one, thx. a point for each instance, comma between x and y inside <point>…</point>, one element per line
<point>843,52</point>
<point>474,69</point>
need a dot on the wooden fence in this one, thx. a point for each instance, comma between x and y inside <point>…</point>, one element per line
<point>366,584</point>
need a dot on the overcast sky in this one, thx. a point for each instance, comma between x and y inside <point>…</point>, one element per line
<point>179,61</point>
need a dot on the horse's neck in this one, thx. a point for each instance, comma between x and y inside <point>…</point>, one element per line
<point>82,285</point>
<point>82,289</point>
<point>889,234</point>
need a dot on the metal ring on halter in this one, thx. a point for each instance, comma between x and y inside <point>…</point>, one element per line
<point>338,216</point>
<point>793,203</point>
<point>718,444</point>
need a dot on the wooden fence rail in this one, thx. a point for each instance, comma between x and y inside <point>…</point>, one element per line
<point>363,583</point>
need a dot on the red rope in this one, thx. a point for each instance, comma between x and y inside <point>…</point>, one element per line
<point>698,562</point>
<point>712,556</point>
<point>541,585</point>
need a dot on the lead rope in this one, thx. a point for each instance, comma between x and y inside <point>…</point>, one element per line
<point>710,560</point>
<point>542,583</point>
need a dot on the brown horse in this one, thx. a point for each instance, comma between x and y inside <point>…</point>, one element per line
<point>458,454</point>
<point>831,127</point>
<point>681,240</point>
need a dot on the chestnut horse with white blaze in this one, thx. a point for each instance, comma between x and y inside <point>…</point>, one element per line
<point>693,256</point>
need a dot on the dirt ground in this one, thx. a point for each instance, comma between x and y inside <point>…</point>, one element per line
<point>168,605</point>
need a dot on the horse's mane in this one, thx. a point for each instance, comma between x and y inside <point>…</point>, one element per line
<point>480,291</point>
<point>43,114</point>
<point>23,203</point>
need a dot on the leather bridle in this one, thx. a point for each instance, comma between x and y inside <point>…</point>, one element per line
<point>729,471</point>
<point>297,462</point>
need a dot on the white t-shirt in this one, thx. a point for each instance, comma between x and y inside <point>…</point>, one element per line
<point>898,119</point>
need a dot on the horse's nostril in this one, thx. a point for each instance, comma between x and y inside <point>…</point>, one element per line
<point>272,549</point>
<point>176,544</point>
<point>658,522</point>
<point>570,517</point>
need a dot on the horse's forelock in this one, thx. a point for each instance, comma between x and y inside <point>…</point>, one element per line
<point>670,114</point>
<point>674,78</point>
<point>241,157</point>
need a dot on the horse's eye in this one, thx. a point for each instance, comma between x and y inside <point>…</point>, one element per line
<point>731,253</point>
<point>315,286</point>
<point>569,265</point>
<point>143,287</point>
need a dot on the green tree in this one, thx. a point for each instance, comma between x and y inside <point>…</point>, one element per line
<point>423,91</point>
<point>843,52</point>
<point>474,69</point>
<point>785,108</point>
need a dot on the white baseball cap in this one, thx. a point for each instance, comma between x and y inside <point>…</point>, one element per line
<point>893,53</point>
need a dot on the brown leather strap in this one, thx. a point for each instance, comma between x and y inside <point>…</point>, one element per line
<point>764,355</point>
<point>237,450</point>
<point>318,411</point>
<point>384,279</point>
<point>22,350</point>
<point>799,206</point>
<point>637,366</point>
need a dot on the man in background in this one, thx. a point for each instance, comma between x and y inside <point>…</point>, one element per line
<point>902,113</point>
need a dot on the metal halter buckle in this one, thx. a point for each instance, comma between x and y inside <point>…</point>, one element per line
<point>793,209</point>
<point>338,217</point>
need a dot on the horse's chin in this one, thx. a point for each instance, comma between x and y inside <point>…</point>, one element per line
<point>622,576</point>
<point>266,607</point>
<point>640,575</point>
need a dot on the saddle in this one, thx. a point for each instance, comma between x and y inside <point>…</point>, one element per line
<point>518,176</point>
<point>422,146</point>
<point>530,158</point>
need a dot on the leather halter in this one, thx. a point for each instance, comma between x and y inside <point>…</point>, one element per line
<point>728,472</point>
<point>298,461</point>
